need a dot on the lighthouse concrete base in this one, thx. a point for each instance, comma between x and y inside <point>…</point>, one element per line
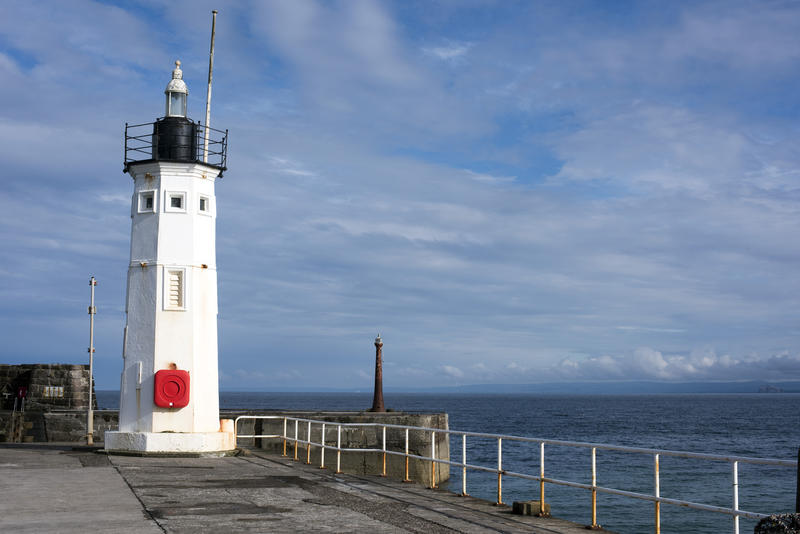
<point>173,443</point>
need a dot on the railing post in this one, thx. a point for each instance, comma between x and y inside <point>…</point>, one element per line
<point>499,472</point>
<point>322,450</point>
<point>284,436</point>
<point>296,425</point>
<point>657,483</point>
<point>406,479</point>
<point>736,497</point>
<point>464,465</point>
<point>308,445</point>
<point>594,487</point>
<point>797,493</point>
<point>433,459</point>
<point>339,449</point>
<point>541,479</point>
<point>383,474</point>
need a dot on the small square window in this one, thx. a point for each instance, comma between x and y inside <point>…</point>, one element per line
<point>147,201</point>
<point>175,202</point>
<point>204,205</point>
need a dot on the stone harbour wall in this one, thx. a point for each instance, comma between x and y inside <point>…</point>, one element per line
<point>49,386</point>
<point>70,426</point>
<point>55,425</point>
<point>358,437</point>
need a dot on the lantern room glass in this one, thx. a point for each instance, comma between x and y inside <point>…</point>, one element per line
<point>176,104</point>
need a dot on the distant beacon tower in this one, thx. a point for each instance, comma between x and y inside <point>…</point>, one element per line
<point>377,395</point>
<point>169,392</point>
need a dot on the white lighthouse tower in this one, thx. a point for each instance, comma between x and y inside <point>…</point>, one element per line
<point>169,392</point>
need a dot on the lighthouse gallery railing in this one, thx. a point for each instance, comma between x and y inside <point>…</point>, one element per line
<point>140,141</point>
<point>297,440</point>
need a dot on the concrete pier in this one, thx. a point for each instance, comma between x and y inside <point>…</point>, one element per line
<point>52,487</point>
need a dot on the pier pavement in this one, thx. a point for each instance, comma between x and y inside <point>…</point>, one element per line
<point>59,488</point>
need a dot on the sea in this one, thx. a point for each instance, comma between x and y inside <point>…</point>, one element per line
<point>755,425</point>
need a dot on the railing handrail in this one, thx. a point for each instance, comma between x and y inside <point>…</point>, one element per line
<point>139,142</point>
<point>565,443</point>
<point>656,498</point>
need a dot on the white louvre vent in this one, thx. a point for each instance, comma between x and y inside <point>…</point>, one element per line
<point>175,289</point>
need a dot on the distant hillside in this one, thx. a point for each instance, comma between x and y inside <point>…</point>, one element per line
<point>575,388</point>
<point>622,388</point>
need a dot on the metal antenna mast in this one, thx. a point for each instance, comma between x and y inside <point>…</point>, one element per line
<point>208,95</point>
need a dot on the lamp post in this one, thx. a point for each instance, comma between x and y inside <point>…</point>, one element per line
<point>377,398</point>
<point>90,413</point>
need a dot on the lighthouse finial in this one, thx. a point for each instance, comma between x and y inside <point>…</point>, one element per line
<point>176,92</point>
<point>177,74</point>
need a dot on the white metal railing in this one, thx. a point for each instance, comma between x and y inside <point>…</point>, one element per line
<point>656,497</point>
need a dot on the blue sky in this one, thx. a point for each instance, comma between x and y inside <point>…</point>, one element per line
<point>509,192</point>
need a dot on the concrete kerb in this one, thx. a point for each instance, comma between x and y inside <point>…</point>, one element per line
<point>166,454</point>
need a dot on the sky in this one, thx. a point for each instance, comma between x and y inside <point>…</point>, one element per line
<point>508,192</point>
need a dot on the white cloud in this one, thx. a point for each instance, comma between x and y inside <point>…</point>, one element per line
<point>656,148</point>
<point>646,363</point>
<point>114,198</point>
<point>451,371</point>
<point>354,41</point>
<point>452,51</point>
<point>651,329</point>
<point>713,34</point>
<point>489,179</point>
<point>288,166</point>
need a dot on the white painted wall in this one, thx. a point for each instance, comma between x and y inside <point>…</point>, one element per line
<point>157,336</point>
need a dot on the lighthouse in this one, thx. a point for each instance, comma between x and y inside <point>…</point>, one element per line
<point>169,392</point>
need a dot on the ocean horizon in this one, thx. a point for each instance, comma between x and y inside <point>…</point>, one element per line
<point>604,387</point>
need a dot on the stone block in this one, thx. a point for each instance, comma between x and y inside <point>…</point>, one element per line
<point>779,524</point>
<point>530,508</point>
<point>169,442</point>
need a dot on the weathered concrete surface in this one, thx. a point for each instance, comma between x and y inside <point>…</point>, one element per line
<point>54,489</point>
<point>50,488</point>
